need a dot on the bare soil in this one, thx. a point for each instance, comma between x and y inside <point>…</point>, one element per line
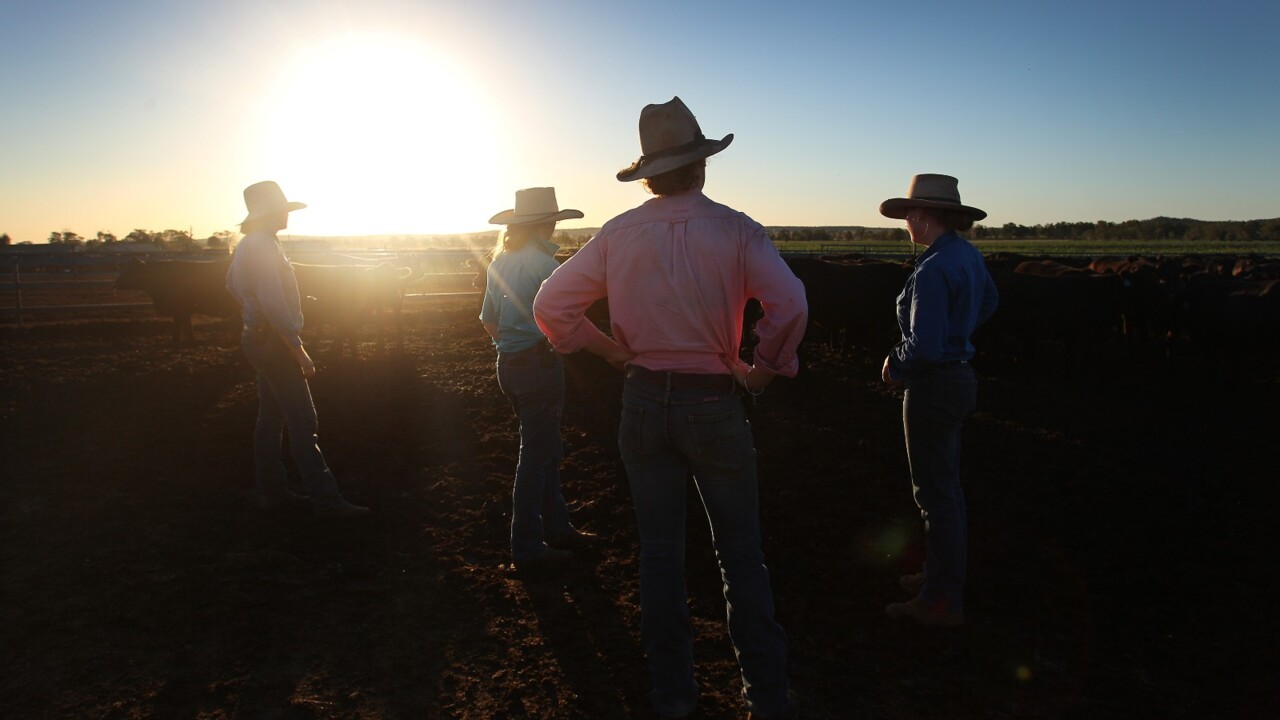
<point>1123,543</point>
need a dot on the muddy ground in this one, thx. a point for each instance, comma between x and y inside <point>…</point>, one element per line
<point>1123,543</point>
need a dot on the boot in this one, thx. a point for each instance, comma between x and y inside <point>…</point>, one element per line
<point>329,503</point>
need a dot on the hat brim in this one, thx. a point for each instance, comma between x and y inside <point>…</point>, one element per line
<point>509,217</point>
<point>898,208</point>
<point>263,212</point>
<point>647,167</point>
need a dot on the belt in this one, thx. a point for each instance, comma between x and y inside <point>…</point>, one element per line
<point>542,346</point>
<point>686,381</point>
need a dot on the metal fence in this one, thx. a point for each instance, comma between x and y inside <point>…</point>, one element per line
<point>32,284</point>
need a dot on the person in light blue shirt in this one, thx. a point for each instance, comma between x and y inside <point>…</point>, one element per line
<point>263,282</point>
<point>947,297</point>
<point>531,376</point>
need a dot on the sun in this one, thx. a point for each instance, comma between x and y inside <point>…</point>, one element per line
<point>380,135</point>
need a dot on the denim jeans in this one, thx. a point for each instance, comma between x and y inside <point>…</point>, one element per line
<point>666,435</point>
<point>284,400</point>
<point>533,381</point>
<point>934,409</point>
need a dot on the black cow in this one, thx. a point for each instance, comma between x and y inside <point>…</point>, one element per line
<point>182,288</point>
<point>347,296</point>
<point>851,302</point>
<point>1081,313</point>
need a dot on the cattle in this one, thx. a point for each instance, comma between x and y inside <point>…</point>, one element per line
<point>182,288</point>
<point>347,296</point>
<point>852,302</point>
<point>1147,301</point>
<point>1073,315</point>
<point>1224,316</point>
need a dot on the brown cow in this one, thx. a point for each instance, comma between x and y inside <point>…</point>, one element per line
<point>182,288</point>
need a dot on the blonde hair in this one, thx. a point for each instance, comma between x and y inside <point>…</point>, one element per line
<point>516,236</point>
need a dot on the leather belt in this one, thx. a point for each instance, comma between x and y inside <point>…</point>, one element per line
<point>685,381</point>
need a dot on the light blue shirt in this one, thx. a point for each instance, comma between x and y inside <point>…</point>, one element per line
<point>947,297</point>
<point>511,283</point>
<point>262,279</point>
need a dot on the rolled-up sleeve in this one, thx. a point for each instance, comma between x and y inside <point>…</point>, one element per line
<point>786,310</point>
<point>561,303</point>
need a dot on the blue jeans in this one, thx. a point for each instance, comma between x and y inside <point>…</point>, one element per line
<point>533,381</point>
<point>665,435</point>
<point>934,409</point>
<point>284,400</point>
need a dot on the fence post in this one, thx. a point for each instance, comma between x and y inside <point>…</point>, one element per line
<point>17,288</point>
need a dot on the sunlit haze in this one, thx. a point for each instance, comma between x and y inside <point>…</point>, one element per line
<point>399,117</point>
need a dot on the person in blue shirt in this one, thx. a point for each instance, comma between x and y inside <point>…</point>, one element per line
<point>947,297</point>
<point>531,376</point>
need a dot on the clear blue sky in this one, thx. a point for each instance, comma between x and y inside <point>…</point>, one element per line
<point>424,116</point>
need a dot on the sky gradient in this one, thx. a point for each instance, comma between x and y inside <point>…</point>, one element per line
<point>423,116</point>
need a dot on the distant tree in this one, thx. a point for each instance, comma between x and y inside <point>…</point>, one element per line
<point>4,240</point>
<point>220,239</point>
<point>179,240</point>
<point>65,237</point>
<point>106,237</point>
<point>141,237</point>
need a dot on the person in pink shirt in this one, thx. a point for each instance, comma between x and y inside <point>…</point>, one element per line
<point>678,271</point>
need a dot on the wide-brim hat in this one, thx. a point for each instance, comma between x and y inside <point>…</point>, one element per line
<point>266,198</point>
<point>670,138</point>
<point>534,205</point>
<point>930,190</point>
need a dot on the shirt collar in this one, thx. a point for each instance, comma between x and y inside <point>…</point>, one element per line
<point>946,238</point>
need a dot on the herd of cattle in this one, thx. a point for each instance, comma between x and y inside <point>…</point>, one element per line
<point>1083,310</point>
<point>341,297</point>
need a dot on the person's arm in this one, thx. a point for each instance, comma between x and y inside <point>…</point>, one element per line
<point>786,312</point>
<point>489,307</point>
<point>990,298</point>
<point>561,304</point>
<point>927,325</point>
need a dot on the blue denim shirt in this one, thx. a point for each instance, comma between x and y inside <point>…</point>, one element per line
<point>947,297</point>
<point>511,283</point>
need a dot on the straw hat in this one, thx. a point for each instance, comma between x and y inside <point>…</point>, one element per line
<point>265,198</point>
<point>534,205</point>
<point>929,191</point>
<point>670,138</point>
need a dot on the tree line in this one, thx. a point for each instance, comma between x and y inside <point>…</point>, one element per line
<point>1160,228</point>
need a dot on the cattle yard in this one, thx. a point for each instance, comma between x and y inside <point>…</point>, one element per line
<point>64,286</point>
<point>1119,524</point>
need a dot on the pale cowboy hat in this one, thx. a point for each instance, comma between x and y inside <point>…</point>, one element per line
<point>670,138</point>
<point>265,198</point>
<point>534,205</point>
<point>929,191</point>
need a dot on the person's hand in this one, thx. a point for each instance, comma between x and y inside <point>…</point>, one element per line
<point>886,373</point>
<point>751,377</point>
<point>612,352</point>
<point>619,357</point>
<point>304,361</point>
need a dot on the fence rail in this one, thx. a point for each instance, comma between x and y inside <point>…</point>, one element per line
<point>45,278</point>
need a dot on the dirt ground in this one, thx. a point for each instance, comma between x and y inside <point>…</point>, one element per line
<point>1123,542</point>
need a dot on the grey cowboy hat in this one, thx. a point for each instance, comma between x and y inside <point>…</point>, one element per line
<point>929,190</point>
<point>670,138</point>
<point>265,198</point>
<point>534,205</point>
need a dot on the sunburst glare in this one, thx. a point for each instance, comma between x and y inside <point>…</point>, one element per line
<point>380,135</point>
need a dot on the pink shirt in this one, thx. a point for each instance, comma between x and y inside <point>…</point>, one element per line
<point>678,271</point>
